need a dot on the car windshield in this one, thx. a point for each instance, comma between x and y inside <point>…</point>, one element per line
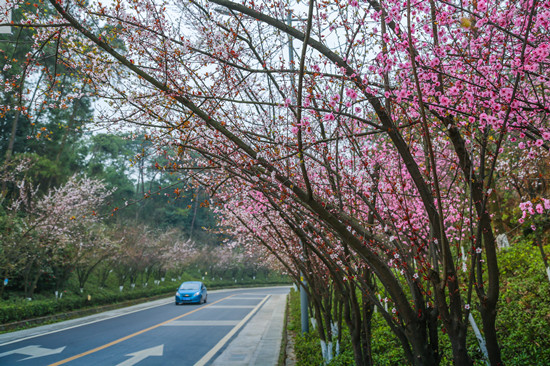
<point>190,286</point>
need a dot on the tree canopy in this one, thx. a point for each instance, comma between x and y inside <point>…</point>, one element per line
<point>370,157</point>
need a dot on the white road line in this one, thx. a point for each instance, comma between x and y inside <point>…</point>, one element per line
<point>201,323</point>
<point>228,336</point>
<point>232,306</point>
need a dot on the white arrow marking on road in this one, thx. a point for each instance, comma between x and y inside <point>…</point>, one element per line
<point>143,354</point>
<point>33,352</point>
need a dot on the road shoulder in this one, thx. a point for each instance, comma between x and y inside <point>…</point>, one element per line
<point>259,342</point>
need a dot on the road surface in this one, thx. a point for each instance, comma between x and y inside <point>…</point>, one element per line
<point>162,334</point>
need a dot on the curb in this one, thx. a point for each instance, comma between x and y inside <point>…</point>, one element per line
<point>284,340</point>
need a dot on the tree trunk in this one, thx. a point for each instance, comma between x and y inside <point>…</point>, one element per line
<point>195,208</point>
<point>84,273</point>
<point>62,274</point>
<point>433,331</point>
<point>488,318</point>
<point>422,351</point>
<point>458,346</point>
<point>368,311</point>
<point>543,254</point>
<point>104,276</point>
<point>34,282</point>
<point>354,334</point>
<point>26,277</point>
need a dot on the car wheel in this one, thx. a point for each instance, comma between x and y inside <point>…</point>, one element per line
<point>205,299</point>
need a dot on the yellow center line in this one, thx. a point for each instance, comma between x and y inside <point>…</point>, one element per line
<point>133,334</point>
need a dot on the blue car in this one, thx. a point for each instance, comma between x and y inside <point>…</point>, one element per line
<point>191,292</point>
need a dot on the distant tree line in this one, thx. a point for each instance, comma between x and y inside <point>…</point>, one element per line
<point>78,201</point>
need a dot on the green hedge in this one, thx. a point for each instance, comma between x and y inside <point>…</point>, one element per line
<point>23,309</point>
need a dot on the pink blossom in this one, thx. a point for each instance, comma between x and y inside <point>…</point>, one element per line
<point>352,94</point>
<point>506,93</point>
<point>482,6</point>
<point>542,51</point>
<point>434,62</point>
<point>329,117</point>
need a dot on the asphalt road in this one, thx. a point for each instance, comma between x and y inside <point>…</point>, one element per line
<point>161,335</point>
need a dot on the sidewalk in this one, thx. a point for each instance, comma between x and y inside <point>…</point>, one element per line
<point>259,342</point>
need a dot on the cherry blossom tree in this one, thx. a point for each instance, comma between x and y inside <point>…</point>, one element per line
<point>332,274</point>
<point>14,243</point>
<point>382,142</point>
<point>98,248</point>
<point>52,230</point>
<point>170,253</point>
<point>63,220</point>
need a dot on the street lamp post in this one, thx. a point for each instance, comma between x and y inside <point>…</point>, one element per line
<point>304,301</point>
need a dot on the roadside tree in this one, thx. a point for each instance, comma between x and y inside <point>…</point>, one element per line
<point>384,137</point>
